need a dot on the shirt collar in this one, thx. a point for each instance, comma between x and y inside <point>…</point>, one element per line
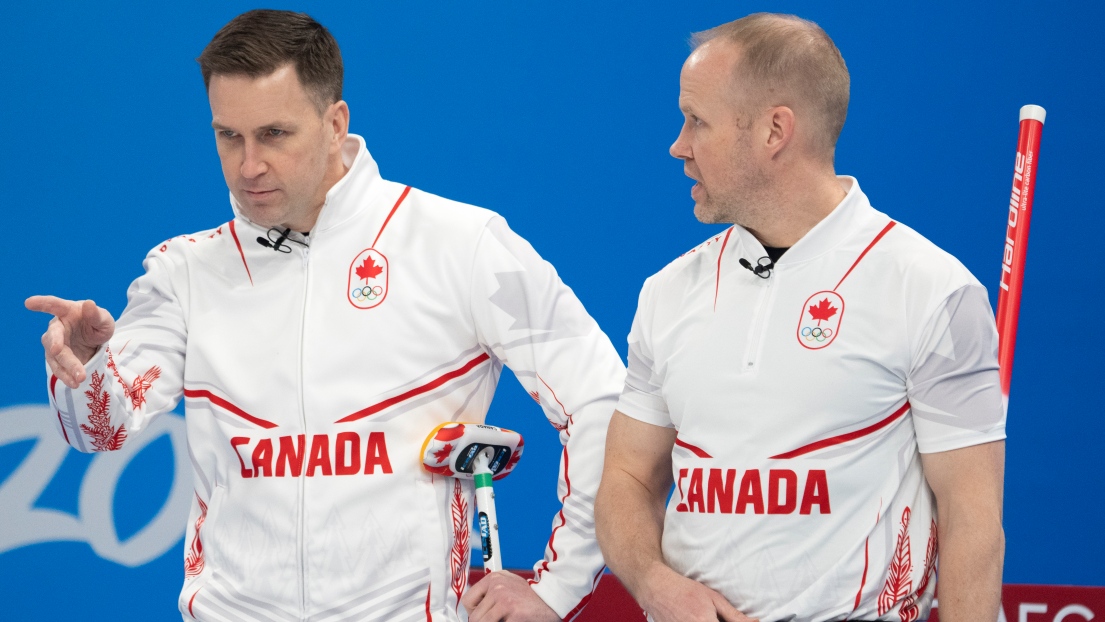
<point>848,216</point>
<point>356,189</point>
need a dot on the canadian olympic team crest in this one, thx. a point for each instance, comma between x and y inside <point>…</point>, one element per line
<point>819,323</point>
<point>368,279</point>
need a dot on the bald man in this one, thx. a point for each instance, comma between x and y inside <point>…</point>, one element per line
<point>818,382</point>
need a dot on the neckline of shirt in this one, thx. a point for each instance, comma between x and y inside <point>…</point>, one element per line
<point>356,191</point>
<point>833,230</point>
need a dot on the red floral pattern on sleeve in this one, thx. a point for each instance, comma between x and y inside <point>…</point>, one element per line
<point>135,392</point>
<point>104,437</point>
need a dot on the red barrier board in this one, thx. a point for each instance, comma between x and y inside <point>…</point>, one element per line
<point>1047,603</point>
<point>1020,603</point>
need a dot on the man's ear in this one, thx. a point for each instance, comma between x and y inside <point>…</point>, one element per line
<point>336,121</point>
<point>780,129</point>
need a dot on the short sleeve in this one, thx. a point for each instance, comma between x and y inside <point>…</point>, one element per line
<point>953,385</point>
<point>642,398</point>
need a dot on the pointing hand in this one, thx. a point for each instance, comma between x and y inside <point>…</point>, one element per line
<point>77,331</point>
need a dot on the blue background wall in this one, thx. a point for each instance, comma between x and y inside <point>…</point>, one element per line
<point>559,116</point>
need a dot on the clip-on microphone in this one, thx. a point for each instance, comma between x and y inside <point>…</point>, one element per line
<point>277,244</point>
<point>762,270</point>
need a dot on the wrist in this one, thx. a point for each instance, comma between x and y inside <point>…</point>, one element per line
<point>84,353</point>
<point>656,576</point>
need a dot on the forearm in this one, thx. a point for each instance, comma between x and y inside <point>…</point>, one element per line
<point>972,550</point>
<point>629,523</point>
<point>968,485</point>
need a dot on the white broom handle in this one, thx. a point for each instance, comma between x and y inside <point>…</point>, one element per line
<point>485,508</point>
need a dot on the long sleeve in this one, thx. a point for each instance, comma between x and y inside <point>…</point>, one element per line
<point>137,375</point>
<point>535,325</point>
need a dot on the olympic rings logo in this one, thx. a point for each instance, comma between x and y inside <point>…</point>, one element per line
<point>367,293</point>
<point>816,333</point>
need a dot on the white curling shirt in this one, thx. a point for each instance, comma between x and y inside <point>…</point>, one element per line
<point>802,403</point>
<point>311,379</point>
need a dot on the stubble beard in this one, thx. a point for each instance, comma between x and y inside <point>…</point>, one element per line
<point>284,209</point>
<point>747,207</point>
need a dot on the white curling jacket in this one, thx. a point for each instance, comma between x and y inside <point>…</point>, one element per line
<point>311,379</point>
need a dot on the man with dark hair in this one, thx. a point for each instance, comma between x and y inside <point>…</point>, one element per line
<point>318,337</point>
<point>813,462</point>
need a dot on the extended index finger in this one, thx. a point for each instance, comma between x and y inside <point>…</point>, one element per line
<point>48,304</point>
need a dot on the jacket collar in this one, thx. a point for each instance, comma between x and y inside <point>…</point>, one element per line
<point>354,192</point>
<point>841,223</point>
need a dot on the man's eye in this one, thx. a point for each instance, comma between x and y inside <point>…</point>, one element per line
<point>275,132</point>
<point>226,133</point>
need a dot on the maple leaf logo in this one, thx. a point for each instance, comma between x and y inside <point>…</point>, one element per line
<point>368,269</point>
<point>822,311</point>
<point>442,454</point>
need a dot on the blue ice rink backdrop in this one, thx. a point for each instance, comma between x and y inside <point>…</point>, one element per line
<point>559,116</point>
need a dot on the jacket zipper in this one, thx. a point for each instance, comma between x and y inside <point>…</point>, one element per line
<point>759,321</point>
<point>302,509</point>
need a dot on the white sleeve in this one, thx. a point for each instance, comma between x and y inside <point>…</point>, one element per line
<point>953,386</point>
<point>136,376</point>
<point>642,398</point>
<point>534,324</point>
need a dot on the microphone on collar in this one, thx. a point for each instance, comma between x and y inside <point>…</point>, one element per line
<point>278,244</point>
<point>761,269</point>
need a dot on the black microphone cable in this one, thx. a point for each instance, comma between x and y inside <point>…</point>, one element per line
<point>761,269</point>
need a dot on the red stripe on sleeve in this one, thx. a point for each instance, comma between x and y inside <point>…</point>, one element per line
<point>563,521</point>
<point>64,433</point>
<point>586,599</point>
<point>567,415</point>
<point>54,383</point>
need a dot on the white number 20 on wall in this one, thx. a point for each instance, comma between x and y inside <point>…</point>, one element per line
<point>24,524</point>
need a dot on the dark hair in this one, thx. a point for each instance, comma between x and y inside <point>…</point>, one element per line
<point>795,61</point>
<point>259,42</point>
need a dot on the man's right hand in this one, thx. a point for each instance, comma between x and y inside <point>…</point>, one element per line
<point>77,331</point>
<point>671,597</point>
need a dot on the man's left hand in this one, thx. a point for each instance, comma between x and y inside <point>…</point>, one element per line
<point>505,597</point>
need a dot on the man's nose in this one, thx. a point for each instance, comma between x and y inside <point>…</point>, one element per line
<point>253,161</point>
<point>681,148</point>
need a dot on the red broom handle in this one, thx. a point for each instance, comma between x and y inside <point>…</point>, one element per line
<point>1016,239</point>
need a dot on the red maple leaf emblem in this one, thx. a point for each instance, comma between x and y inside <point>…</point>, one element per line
<point>442,454</point>
<point>822,311</point>
<point>368,269</point>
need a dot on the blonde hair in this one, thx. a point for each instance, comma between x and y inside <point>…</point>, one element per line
<point>789,61</point>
